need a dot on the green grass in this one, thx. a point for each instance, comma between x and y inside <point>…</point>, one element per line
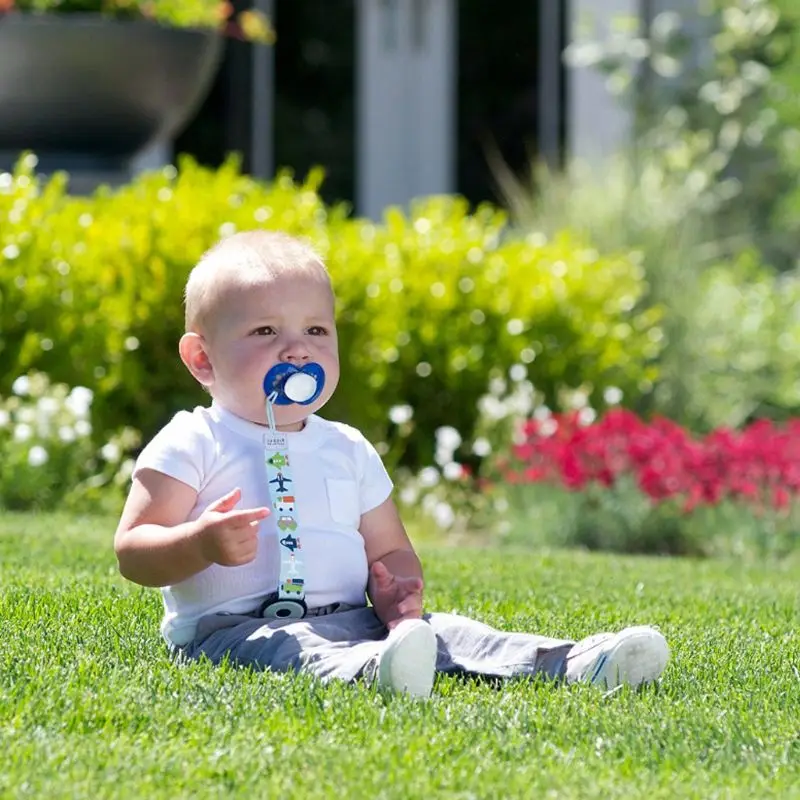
<point>91,706</point>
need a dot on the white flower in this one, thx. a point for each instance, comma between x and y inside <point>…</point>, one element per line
<point>47,405</point>
<point>447,438</point>
<point>442,456</point>
<point>37,456</point>
<point>521,402</point>
<point>578,400</point>
<point>4,418</point>
<point>429,502</point>
<point>79,401</point>
<point>409,495</point>
<point>443,515</point>
<point>22,432</point>
<point>26,415</point>
<point>124,472</point>
<point>542,413</point>
<point>21,386</point>
<point>452,471</point>
<point>548,427</point>
<point>66,434</point>
<point>497,387</point>
<point>83,428</point>
<point>399,415</point>
<point>612,395</point>
<point>111,451</point>
<point>518,373</point>
<point>491,408</point>
<point>481,447</point>
<point>429,476</point>
<point>586,416</point>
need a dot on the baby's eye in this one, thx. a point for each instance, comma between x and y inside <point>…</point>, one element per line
<point>264,330</point>
<point>317,330</point>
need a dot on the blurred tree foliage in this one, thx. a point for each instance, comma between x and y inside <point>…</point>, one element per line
<point>716,97</point>
<point>708,197</point>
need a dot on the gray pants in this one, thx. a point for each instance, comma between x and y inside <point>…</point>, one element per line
<point>341,644</point>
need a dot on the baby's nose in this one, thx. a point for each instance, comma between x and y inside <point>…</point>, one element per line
<point>295,350</point>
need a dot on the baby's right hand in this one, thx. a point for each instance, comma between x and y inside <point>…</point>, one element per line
<point>226,536</point>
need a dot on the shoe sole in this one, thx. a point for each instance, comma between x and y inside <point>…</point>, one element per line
<point>640,657</point>
<point>409,664</point>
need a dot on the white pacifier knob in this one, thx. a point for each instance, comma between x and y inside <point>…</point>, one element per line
<point>299,387</point>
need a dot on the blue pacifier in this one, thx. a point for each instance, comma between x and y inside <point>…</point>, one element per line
<point>290,384</point>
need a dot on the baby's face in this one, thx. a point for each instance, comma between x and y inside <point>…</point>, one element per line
<point>289,318</point>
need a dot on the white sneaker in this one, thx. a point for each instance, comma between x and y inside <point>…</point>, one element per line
<point>633,656</point>
<point>408,661</point>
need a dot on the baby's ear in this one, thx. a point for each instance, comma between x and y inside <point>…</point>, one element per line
<point>192,349</point>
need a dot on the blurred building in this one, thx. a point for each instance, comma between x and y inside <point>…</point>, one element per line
<point>401,98</point>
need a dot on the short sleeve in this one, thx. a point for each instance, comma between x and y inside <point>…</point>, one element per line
<point>375,485</point>
<point>179,450</point>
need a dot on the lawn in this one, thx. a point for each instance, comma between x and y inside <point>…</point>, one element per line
<point>91,706</point>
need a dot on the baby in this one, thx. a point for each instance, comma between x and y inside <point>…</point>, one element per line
<point>267,527</point>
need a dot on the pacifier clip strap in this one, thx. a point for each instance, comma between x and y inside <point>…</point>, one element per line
<point>291,584</point>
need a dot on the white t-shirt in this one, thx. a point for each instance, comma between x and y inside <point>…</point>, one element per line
<point>338,476</point>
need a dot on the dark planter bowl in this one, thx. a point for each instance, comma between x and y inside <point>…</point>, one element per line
<point>80,89</point>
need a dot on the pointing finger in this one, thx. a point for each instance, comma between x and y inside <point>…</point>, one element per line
<point>248,516</point>
<point>228,501</point>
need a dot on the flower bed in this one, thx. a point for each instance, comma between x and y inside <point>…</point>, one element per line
<point>623,483</point>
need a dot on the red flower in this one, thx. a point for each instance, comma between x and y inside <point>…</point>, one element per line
<point>758,465</point>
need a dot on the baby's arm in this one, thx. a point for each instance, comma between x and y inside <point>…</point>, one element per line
<point>386,540</point>
<point>395,573</point>
<point>155,543</point>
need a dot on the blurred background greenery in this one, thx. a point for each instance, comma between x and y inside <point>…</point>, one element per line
<point>664,279</point>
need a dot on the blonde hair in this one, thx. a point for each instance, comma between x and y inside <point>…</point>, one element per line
<point>245,258</point>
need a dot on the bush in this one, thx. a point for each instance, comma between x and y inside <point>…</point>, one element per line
<point>429,302</point>
<point>91,288</point>
<point>47,457</point>
<point>732,350</point>
<point>433,302</point>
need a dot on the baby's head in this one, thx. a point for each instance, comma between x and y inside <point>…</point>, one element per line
<point>254,300</point>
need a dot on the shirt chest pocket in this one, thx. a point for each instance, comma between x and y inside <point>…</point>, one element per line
<point>343,501</point>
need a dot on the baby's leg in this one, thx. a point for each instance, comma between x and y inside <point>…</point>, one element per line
<point>338,645</point>
<point>633,656</point>
<point>468,646</point>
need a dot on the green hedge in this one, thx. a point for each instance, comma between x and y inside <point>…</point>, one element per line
<point>429,301</point>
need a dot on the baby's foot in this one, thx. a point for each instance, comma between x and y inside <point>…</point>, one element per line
<point>633,656</point>
<point>408,661</point>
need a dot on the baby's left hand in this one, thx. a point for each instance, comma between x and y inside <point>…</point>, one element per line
<point>394,598</point>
